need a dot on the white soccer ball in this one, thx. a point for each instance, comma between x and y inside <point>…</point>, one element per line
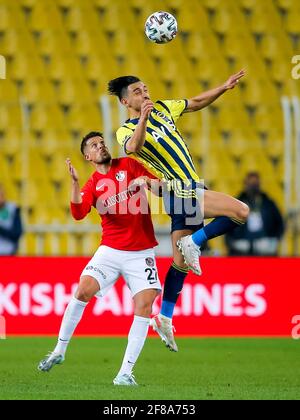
<point>161,27</point>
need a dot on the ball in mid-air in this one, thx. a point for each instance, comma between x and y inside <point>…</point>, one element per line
<point>161,27</point>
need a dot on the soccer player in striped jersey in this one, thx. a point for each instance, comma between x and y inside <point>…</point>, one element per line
<point>150,135</point>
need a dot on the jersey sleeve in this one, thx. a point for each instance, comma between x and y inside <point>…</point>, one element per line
<point>176,107</point>
<point>80,210</point>
<point>123,136</point>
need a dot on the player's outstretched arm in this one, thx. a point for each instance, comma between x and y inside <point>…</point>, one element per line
<point>75,188</point>
<point>136,142</point>
<point>206,98</point>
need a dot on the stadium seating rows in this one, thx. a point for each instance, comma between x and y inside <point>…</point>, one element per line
<point>61,53</point>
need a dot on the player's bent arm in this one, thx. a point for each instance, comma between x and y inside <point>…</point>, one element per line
<point>80,210</point>
<point>76,197</point>
<point>80,202</point>
<point>137,140</point>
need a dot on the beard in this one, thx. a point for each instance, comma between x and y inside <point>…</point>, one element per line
<point>104,160</point>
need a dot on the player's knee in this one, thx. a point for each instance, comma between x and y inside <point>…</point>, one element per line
<point>82,294</point>
<point>243,212</point>
<point>143,308</point>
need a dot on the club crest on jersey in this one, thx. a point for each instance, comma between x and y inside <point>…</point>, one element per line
<point>120,176</point>
<point>150,262</point>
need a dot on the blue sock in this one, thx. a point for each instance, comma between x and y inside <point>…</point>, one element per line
<point>172,288</point>
<point>217,227</point>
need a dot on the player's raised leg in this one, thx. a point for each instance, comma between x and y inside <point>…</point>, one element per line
<point>87,288</point>
<point>137,335</point>
<point>162,323</point>
<point>228,212</point>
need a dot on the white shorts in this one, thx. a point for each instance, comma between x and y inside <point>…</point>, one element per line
<point>137,267</point>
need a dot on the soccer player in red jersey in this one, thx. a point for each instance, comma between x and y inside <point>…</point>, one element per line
<point>117,190</point>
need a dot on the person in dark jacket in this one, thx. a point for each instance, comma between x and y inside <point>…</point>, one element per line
<point>264,228</point>
<point>10,226</point>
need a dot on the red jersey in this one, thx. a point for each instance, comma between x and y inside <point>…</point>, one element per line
<point>124,209</point>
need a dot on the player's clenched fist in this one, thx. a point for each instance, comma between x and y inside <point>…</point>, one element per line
<point>146,108</point>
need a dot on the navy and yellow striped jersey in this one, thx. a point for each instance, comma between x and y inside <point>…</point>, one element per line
<point>164,153</point>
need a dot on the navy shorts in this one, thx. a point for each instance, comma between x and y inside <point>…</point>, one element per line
<point>185,213</point>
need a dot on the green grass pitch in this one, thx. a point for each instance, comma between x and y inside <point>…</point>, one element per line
<point>207,368</point>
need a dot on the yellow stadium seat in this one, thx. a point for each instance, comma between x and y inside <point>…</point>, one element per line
<point>93,68</point>
<point>242,141</point>
<point>267,117</point>
<point>77,118</point>
<point>112,19</point>
<point>52,41</point>
<point>61,66</point>
<point>254,93</point>
<point>286,4</point>
<point>197,46</point>
<point>213,4</point>
<point>238,44</point>
<point>78,16</point>
<point>101,4</point>
<point>4,165</point>
<point>248,4</point>
<point>274,144</point>
<point>10,16</point>
<point>29,4</point>
<point>227,18</point>
<point>38,92</point>
<point>23,65</point>
<point>172,4</point>
<point>12,140</point>
<point>274,45</point>
<point>292,22</point>
<point>9,92</point>
<point>38,19</point>
<point>264,20</point>
<point>73,91</point>
<point>10,115</point>
<point>84,42</point>
<point>291,87</point>
<point>43,116</point>
<point>16,40</point>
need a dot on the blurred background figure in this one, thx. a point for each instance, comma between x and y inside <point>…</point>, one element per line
<point>264,228</point>
<point>10,226</point>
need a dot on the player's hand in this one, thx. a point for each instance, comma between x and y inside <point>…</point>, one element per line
<point>141,181</point>
<point>146,109</point>
<point>234,79</point>
<point>72,170</point>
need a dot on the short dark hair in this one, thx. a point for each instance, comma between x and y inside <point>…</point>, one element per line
<point>119,85</point>
<point>87,137</point>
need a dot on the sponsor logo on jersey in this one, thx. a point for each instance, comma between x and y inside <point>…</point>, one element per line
<point>150,261</point>
<point>120,176</point>
<point>99,187</point>
<point>118,198</point>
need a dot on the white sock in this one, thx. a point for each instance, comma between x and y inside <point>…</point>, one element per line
<point>72,316</point>
<point>136,339</point>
